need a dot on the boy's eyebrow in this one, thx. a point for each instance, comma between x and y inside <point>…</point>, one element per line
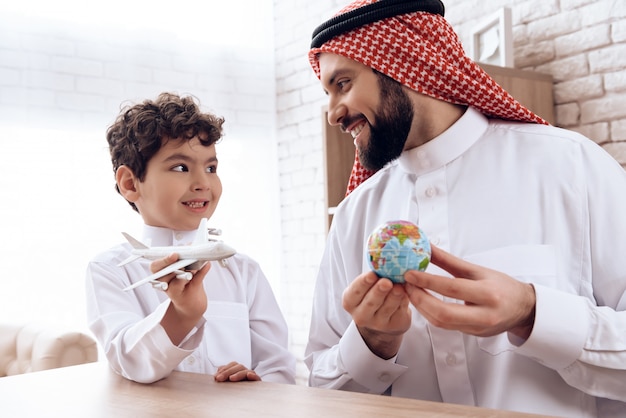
<point>178,157</point>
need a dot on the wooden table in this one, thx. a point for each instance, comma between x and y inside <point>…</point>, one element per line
<point>93,390</point>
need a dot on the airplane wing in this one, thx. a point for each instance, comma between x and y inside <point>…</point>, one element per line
<point>163,272</point>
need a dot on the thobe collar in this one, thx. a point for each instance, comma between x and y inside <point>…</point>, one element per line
<point>164,237</point>
<point>446,147</point>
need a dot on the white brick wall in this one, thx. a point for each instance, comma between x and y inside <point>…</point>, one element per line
<point>65,83</point>
<point>581,43</point>
<point>62,83</point>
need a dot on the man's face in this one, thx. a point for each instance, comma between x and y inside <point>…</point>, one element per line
<point>373,108</point>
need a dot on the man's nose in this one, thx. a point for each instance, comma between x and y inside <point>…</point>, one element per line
<point>336,112</point>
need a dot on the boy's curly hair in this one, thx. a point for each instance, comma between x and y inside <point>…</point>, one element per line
<point>140,130</point>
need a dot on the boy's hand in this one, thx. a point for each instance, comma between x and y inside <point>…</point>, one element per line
<point>235,372</point>
<point>188,299</point>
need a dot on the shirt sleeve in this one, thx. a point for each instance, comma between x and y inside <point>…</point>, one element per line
<point>583,336</point>
<point>336,353</point>
<point>134,342</point>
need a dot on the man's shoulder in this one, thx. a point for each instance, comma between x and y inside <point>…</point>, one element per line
<point>535,130</point>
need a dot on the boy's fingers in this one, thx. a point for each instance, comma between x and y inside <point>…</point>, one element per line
<point>161,263</point>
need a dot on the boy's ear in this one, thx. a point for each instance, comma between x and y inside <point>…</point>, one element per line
<point>126,182</point>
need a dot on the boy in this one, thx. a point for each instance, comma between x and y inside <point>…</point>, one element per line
<point>165,165</point>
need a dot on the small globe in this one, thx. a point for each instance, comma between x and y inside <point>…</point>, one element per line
<point>396,247</point>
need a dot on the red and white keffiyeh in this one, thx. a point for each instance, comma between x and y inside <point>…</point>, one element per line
<point>421,51</point>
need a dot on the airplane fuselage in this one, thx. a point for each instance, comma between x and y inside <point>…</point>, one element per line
<point>215,250</point>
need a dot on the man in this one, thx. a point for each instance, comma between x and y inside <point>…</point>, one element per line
<point>522,307</point>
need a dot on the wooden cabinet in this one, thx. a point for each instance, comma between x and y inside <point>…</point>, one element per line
<point>533,90</point>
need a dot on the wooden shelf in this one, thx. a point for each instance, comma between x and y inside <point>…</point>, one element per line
<point>533,90</point>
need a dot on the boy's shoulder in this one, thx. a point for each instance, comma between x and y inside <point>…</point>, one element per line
<point>113,255</point>
<point>239,261</point>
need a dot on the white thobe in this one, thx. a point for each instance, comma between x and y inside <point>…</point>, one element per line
<point>541,204</point>
<point>242,323</point>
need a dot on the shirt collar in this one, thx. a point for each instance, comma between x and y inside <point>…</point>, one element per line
<point>165,237</point>
<point>446,147</point>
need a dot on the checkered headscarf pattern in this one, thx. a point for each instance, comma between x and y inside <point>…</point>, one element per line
<point>421,51</point>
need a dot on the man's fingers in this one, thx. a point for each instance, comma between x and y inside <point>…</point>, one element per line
<point>354,294</point>
<point>461,289</point>
<point>456,266</point>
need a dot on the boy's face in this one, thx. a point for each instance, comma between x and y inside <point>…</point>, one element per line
<point>181,186</point>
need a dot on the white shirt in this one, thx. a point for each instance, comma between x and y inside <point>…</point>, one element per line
<point>242,323</point>
<point>542,204</point>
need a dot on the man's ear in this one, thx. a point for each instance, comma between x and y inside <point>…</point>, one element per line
<point>126,182</point>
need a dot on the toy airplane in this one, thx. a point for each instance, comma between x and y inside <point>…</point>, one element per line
<point>192,257</point>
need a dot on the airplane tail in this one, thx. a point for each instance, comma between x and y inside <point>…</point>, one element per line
<point>202,235</point>
<point>135,244</point>
<point>138,245</point>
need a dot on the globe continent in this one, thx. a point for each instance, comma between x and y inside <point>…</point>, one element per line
<point>396,247</point>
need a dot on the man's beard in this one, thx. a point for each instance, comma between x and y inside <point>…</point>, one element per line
<point>393,123</point>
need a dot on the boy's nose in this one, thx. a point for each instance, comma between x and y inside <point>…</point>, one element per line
<point>201,182</point>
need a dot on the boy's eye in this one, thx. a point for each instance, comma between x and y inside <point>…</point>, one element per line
<point>180,167</point>
<point>211,169</point>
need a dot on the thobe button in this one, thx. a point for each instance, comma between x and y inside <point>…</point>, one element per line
<point>451,359</point>
<point>178,236</point>
<point>430,192</point>
<point>435,240</point>
<point>191,359</point>
<point>384,377</point>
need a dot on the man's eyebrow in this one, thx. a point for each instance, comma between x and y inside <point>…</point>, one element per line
<point>336,74</point>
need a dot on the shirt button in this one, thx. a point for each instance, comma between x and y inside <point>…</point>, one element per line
<point>191,359</point>
<point>384,377</point>
<point>430,192</point>
<point>451,359</point>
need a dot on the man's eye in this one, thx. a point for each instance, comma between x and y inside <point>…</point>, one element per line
<point>180,167</point>
<point>342,84</point>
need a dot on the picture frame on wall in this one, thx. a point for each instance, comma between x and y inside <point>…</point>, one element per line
<point>492,39</point>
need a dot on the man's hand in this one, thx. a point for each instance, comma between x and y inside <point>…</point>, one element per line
<point>494,302</point>
<point>235,372</point>
<point>380,310</point>
<point>188,299</point>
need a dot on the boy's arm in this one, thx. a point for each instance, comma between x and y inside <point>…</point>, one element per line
<point>188,300</point>
<point>128,326</point>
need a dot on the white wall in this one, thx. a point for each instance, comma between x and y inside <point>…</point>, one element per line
<point>65,69</point>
